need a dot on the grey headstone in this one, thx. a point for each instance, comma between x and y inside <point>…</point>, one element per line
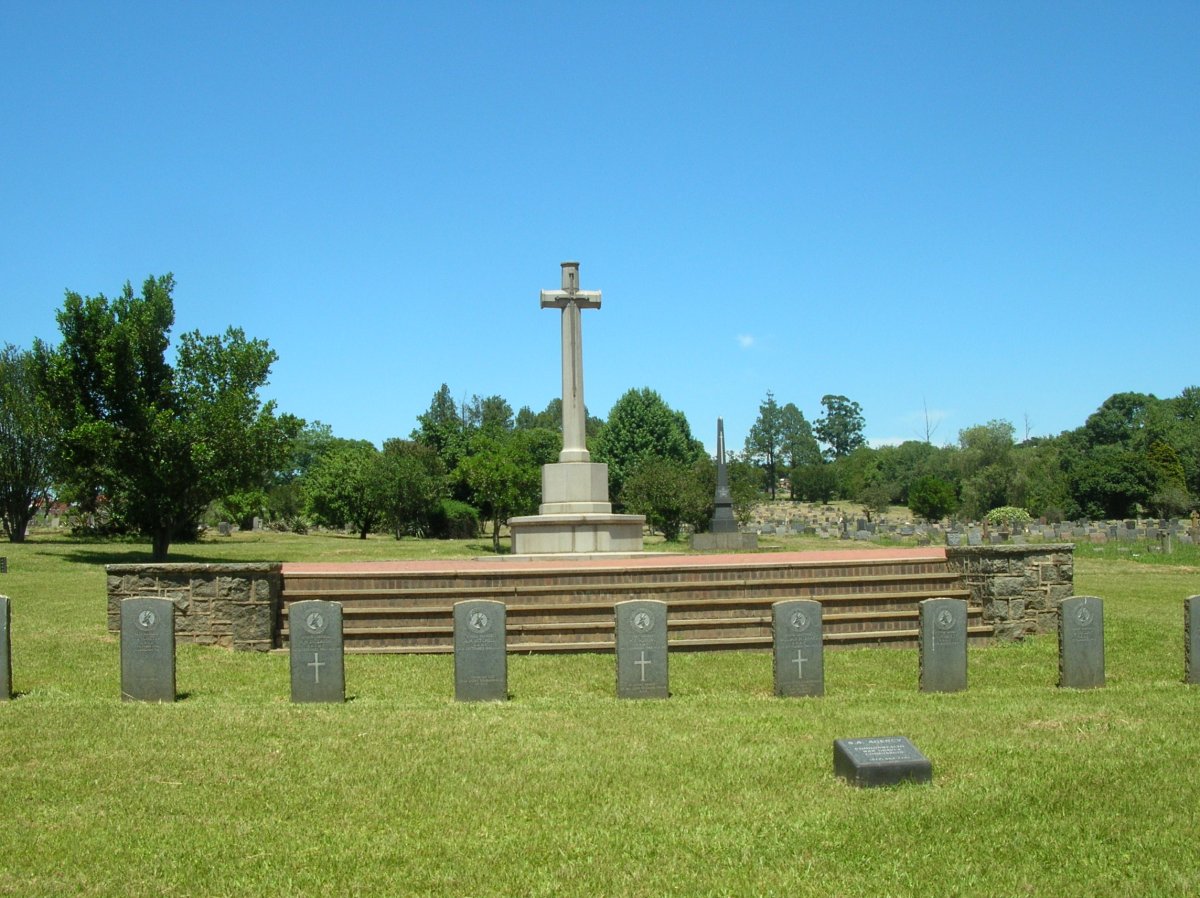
<point>147,650</point>
<point>1191,631</point>
<point>880,761</point>
<point>799,652</point>
<point>974,538</point>
<point>1081,642</point>
<point>318,660</point>
<point>3,564</point>
<point>641,626</point>
<point>943,645</point>
<point>480,656</point>
<point>225,528</point>
<point>5,649</point>
<point>953,539</point>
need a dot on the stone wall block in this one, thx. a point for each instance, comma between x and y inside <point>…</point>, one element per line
<point>204,588</point>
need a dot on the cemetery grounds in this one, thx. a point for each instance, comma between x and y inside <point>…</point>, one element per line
<point>722,789</point>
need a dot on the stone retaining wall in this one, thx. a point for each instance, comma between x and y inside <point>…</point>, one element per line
<point>1019,587</point>
<point>232,605</point>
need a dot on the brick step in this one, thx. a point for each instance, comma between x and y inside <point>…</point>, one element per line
<point>341,589</point>
<point>900,638</point>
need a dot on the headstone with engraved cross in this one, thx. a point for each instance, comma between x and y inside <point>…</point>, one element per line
<point>798,654</point>
<point>480,657</point>
<point>317,652</point>
<point>1081,642</point>
<point>147,650</point>
<point>641,630</point>
<point>1191,638</point>
<point>943,629</point>
<point>5,649</point>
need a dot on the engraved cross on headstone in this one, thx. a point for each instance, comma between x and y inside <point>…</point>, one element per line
<point>799,662</point>
<point>574,416</point>
<point>642,664</point>
<point>316,664</point>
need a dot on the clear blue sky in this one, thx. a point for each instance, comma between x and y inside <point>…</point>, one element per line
<point>985,209</point>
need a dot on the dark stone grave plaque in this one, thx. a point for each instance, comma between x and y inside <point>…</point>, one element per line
<point>799,657</point>
<point>1191,637</point>
<point>641,626</point>
<point>147,650</point>
<point>5,649</point>
<point>480,658</point>
<point>3,564</point>
<point>880,761</point>
<point>943,624</point>
<point>318,660</point>
<point>1081,642</point>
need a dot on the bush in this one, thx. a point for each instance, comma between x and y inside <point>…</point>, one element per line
<point>455,520</point>
<point>1008,516</point>
<point>931,498</point>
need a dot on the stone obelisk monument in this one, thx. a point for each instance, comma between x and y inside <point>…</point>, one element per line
<point>723,534</point>
<point>575,516</point>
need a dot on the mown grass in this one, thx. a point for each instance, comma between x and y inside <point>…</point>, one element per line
<point>564,790</point>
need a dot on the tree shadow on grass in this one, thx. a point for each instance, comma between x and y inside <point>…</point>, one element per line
<point>135,555</point>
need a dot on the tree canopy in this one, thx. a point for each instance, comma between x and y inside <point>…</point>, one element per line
<point>27,440</point>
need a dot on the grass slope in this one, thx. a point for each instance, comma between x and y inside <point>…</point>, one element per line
<point>722,790</point>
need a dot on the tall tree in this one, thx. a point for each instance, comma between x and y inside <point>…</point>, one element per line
<point>641,425</point>
<point>158,442</point>
<point>765,438</point>
<point>840,428</point>
<point>412,483</point>
<point>443,429</point>
<point>797,445</point>
<point>504,472</point>
<point>346,487</point>
<point>27,437</point>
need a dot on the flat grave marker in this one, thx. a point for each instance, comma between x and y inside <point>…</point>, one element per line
<point>5,649</point>
<point>799,662</point>
<point>480,656</point>
<point>1081,642</point>
<point>318,660</point>
<point>147,650</point>
<point>1191,637</point>
<point>880,761</point>
<point>641,635</point>
<point>943,628</point>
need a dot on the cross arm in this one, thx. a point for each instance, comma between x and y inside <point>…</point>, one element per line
<point>559,299</point>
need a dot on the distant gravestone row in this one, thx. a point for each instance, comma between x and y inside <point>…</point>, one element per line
<point>317,649</point>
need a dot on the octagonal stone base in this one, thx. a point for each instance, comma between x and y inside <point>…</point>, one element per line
<point>553,534</point>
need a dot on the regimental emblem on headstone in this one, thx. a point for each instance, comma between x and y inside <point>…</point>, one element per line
<point>943,639</point>
<point>480,651</point>
<point>315,643</point>
<point>148,650</point>
<point>641,642</point>
<point>798,655</point>
<point>1081,642</point>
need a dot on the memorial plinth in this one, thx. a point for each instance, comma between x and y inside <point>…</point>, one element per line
<point>575,516</point>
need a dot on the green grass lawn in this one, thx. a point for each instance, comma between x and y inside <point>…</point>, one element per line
<point>564,790</point>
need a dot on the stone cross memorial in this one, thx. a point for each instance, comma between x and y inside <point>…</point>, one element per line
<point>5,649</point>
<point>480,658</point>
<point>1191,637</point>
<point>1081,642</point>
<point>641,627</point>
<point>798,654</point>
<point>943,626</point>
<point>880,761</point>
<point>147,650</point>
<point>576,515</point>
<point>318,662</point>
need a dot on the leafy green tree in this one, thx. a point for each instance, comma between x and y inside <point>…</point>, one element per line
<point>765,439</point>
<point>797,445</point>
<point>347,488</point>
<point>412,483</point>
<point>504,472</point>
<point>490,413</point>
<point>931,498</point>
<point>1110,481</point>
<point>641,425</point>
<point>158,442</point>
<point>671,493</point>
<point>550,418</point>
<point>987,467</point>
<point>27,439</point>
<point>840,428</point>
<point>816,482</point>
<point>443,429</point>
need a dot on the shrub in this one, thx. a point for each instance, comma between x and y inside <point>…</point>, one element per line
<point>931,498</point>
<point>455,520</point>
<point>1008,516</point>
